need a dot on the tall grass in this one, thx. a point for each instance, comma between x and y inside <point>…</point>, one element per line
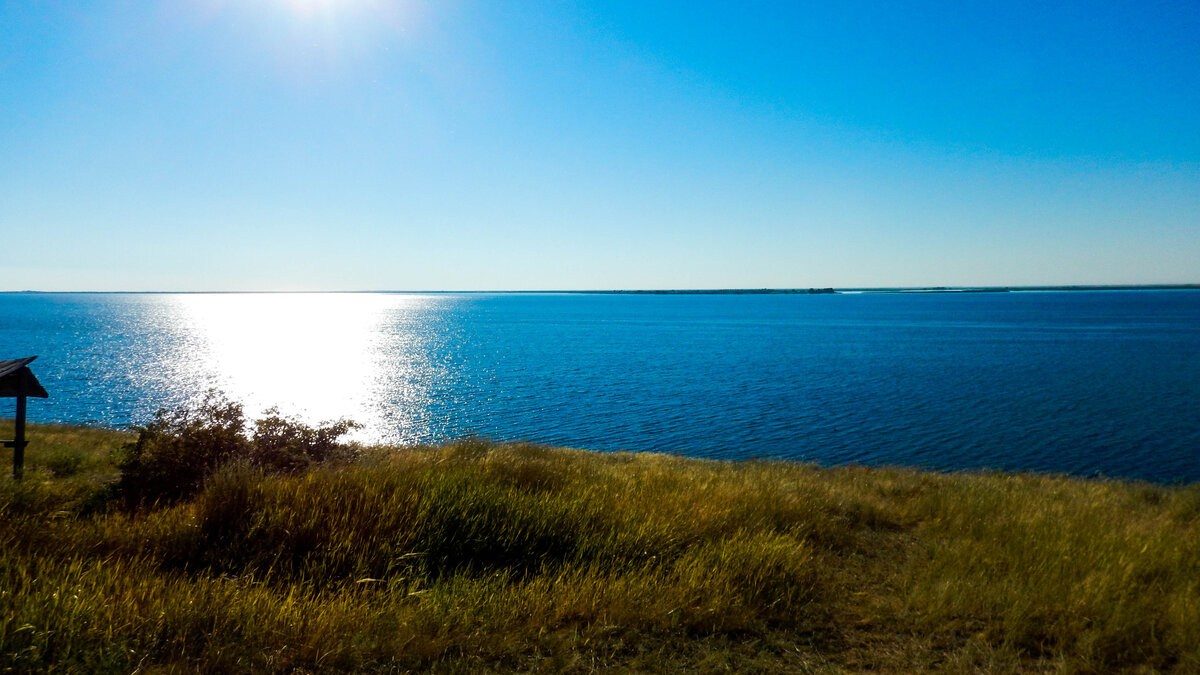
<point>479,556</point>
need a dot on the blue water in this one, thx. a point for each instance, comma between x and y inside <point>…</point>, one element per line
<point>1080,382</point>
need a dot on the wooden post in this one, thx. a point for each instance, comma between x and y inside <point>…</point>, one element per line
<point>19,441</point>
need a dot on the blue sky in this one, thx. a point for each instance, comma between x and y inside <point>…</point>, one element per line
<point>411,145</point>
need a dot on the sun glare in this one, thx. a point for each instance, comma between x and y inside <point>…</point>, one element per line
<point>322,6</point>
<point>312,37</point>
<point>329,10</point>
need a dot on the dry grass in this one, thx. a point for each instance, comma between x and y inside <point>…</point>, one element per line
<point>480,557</point>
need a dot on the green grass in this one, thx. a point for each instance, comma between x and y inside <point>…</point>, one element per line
<point>481,557</point>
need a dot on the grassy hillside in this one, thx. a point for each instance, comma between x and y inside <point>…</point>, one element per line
<point>477,557</point>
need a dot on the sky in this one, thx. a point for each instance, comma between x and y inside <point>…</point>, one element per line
<point>304,145</point>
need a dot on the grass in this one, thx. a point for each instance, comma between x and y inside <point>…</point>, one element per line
<point>483,557</point>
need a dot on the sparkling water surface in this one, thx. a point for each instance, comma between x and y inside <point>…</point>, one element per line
<point>1104,382</point>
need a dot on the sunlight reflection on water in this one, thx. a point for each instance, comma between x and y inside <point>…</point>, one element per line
<point>1080,382</point>
<point>315,356</point>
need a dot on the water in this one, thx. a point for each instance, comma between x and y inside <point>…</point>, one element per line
<point>1080,382</point>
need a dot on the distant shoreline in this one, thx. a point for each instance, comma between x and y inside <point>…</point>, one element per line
<point>679,291</point>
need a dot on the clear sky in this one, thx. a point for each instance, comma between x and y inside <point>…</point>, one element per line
<point>530,144</point>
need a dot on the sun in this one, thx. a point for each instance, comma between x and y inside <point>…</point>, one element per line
<point>309,41</point>
<point>367,15</point>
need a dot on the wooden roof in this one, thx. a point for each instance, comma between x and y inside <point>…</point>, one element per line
<point>16,379</point>
<point>13,365</point>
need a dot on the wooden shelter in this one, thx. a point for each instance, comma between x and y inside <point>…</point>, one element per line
<point>17,381</point>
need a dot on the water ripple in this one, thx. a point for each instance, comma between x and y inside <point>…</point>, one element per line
<point>1085,383</point>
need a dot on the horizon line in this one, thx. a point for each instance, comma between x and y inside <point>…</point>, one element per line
<point>646,291</point>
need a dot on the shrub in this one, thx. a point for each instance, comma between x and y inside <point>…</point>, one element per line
<point>282,445</point>
<point>175,453</point>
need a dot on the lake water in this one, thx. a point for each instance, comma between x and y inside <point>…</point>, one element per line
<point>1080,382</point>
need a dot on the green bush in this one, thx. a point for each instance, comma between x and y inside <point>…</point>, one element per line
<point>282,445</point>
<point>176,452</point>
